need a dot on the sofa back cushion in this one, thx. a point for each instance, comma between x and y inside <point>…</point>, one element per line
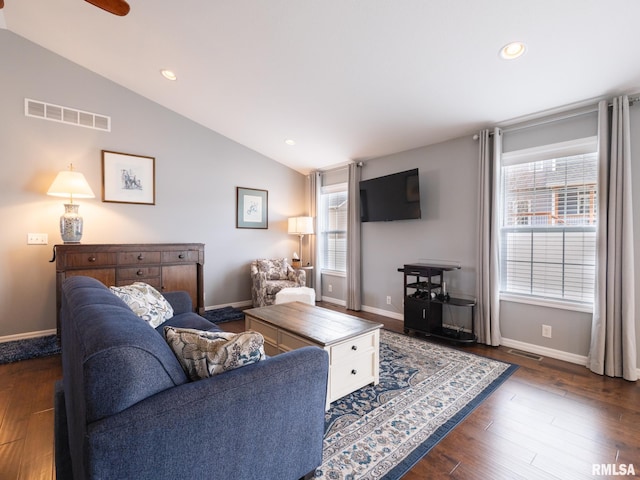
<point>111,358</point>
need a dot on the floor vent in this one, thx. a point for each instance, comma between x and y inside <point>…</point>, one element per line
<point>520,353</point>
<point>70,116</point>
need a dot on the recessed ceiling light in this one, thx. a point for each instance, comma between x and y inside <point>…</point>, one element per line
<point>512,50</point>
<point>290,142</point>
<point>169,75</point>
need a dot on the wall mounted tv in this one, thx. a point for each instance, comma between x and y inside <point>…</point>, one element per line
<point>392,197</point>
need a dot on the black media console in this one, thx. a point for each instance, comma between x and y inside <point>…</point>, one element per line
<point>424,296</point>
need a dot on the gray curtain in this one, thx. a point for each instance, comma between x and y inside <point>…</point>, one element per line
<point>488,247</point>
<point>354,267</point>
<point>314,204</point>
<point>613,337</point>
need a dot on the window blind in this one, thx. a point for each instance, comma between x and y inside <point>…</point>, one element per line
<point>333,229</point>
<point>548,233</point>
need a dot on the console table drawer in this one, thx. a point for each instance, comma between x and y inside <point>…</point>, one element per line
<point>354,347</point>
<point>90,259</point>
<point>138,258</point>
<point>138,273</point>
<point>184,256</point>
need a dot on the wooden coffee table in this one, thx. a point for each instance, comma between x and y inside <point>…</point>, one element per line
<point>353,344</point>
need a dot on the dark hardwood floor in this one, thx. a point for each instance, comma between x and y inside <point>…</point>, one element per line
<point>550,420</point>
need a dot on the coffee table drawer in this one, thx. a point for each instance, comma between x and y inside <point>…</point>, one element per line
<point>351,375</point>
<point>353,347</point>
<point>269,332</point>
<point>288,341</point>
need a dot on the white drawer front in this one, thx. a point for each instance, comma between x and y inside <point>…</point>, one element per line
<point>349,376</point>
<point>354,347</point>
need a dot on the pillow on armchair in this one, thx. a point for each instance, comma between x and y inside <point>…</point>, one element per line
<point>274,269</point>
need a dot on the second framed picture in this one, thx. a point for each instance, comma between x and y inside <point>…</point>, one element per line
<point>128,178</point>
<point>252,208</point>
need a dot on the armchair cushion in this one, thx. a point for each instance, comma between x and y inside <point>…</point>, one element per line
<point>205,354</point>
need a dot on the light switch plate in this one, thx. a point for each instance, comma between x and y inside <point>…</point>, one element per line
<point>37,239</point>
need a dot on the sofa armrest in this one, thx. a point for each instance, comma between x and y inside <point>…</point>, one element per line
<point>61,435</point>
<point>180,301</point>
<point>262,421</point>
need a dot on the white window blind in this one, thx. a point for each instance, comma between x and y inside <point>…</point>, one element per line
<point>548,232</point>
<point>333,228</point>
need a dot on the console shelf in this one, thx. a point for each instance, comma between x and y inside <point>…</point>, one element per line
<point>424,297</point>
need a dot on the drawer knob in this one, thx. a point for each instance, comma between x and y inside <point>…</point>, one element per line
<point>354,347</point>
<point>92,258</point>
<point>181,256</point>
<point>354,372</point>
<point>140,273</point>
<point>141,257</point>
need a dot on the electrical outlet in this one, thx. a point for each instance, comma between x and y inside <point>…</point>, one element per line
<point>388,299</point>
<point>330,288</point>
<point>37,239</point>
<point>546,331</point>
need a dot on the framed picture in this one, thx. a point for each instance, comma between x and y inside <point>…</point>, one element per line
<point>251,208</point>
<point>128,178</point>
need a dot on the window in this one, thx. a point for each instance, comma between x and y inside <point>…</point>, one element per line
<point>548,227</point>
<point>333,228</point>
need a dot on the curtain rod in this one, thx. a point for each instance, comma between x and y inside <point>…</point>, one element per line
<point>564,115</point>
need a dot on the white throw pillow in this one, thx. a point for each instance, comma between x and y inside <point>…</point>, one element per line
<point>146,302</point>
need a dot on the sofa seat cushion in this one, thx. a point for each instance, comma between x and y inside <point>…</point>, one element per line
<point>205,354</point>
<point>145,301</point>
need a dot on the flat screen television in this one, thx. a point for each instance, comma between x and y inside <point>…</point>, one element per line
<point>392,197</point>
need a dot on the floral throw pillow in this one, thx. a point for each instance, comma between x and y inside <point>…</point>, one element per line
<point>204,354</point>
<point>146,302</point>
<point>275,269</point>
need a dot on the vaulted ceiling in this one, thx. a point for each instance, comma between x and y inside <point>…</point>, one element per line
<point>347,79</point>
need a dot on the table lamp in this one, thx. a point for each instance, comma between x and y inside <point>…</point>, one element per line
<point>69,183</point>
<point>301,226</point>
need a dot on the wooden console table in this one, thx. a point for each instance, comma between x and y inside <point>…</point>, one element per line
<point>165,266</point>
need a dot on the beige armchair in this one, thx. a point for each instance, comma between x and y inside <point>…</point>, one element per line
<point>268,277</point>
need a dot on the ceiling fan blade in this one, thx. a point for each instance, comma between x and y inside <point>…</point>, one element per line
<point>117,7</point>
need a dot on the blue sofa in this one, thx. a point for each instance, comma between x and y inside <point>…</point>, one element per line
<point>125,408</point>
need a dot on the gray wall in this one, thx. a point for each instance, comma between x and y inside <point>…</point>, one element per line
<point>197,172</point>
<point>447,231</point>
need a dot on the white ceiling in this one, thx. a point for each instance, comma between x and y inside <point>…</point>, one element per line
<point>347,79</point>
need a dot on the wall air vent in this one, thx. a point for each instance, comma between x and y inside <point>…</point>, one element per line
<point>71,116</point>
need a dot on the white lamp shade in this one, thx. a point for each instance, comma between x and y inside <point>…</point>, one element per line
<point>70,184</point>
<point>301,225</point>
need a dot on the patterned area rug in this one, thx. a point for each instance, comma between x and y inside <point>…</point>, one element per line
<point>28,348</point>
<point>425,390</point>
<point>225,314</point>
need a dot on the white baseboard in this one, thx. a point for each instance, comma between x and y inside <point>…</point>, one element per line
<point>544,351</point>
<point>384,313</point>
<point>244,303</point>
<point>335,301</point>
<point>24,336</point>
